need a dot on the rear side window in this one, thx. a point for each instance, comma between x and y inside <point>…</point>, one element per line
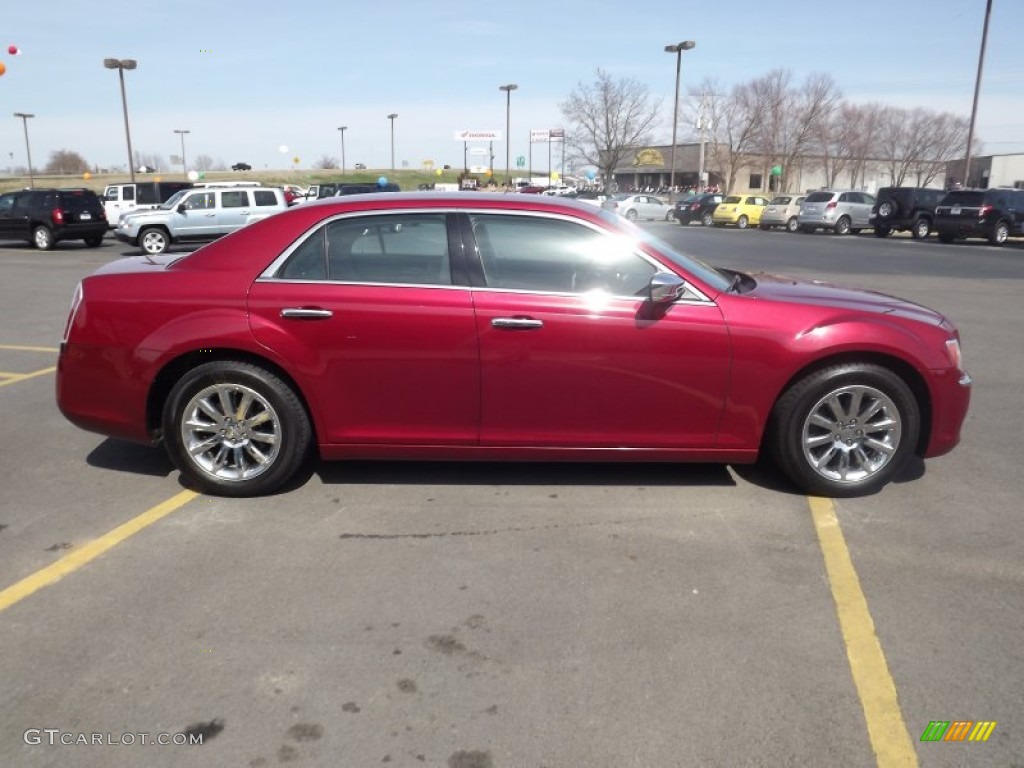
<point>234,199</point>
<point>818,197</point>
<point>264,197</point>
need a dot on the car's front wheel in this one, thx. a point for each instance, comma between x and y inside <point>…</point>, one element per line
<point>42,238</point>
<point>845,430</point>
<point>154,241</point>
<point>631,214</point>
<point>235,429</point>
<point>842,226</point>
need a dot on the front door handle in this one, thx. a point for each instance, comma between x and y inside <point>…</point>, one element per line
<point>306,313</point>
<point>517,323</point>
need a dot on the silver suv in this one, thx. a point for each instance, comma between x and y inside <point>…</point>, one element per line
<point>198,215</point>
<point>842,211</point>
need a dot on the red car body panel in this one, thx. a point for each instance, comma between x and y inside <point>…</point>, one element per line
<point>421,372</point>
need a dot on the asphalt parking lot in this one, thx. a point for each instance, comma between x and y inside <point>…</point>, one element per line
<point>507,615</point>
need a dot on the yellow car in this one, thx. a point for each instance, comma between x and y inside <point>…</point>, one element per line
<point>742,210</point>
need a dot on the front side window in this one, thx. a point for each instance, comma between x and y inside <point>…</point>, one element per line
<point>406,249</point>
<point>200,201</point>
<point>530,253</point>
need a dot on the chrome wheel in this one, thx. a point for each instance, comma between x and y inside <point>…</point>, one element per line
<point>885,209</point>
<point>153,242</point>
<point>230,432</point>
<point>851,433</point>
<point>42,238</point>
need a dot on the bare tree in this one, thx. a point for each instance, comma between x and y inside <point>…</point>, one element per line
<point>149,159</point>
<point>326,162</point>
<point>607,120</point>
<point>203,162</point>
<point>65,161</point>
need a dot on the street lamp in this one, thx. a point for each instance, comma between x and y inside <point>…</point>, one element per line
<point>24,121</point>
<point>342,130</point>
<point>184,165</point>
<point>977,89</point>
<point>121,65</point>
<point>508,128</point>
<point>392,117</point>
<point>677,49</point>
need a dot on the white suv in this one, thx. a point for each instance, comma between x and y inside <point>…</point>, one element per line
<point>198,215</point>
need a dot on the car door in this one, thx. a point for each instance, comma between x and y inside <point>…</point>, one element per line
<point>18,220</point>
<point>234,210</point>
<point>571,353</point>
<point>379,336</point>
<point>7,222</point>
<point>195,217</point>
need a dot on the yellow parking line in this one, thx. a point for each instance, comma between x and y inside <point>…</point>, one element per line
<point>16,377</point>
<point>88,552</point>
<point>886,729</point>
<point>23,348</point>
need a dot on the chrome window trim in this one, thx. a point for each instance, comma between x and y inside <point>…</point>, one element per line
<point>268,274</point>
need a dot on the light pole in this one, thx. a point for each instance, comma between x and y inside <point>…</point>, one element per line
<point>392,117</point>
<point>341,130</point>
<point>121,65</point>
<point>977,88</point>
<point>24,121</point>
<point>508,129</point>
<point>184,165</point>
<point>677,49</point>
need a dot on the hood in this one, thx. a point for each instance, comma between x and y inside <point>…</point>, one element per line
<point>819,293</point>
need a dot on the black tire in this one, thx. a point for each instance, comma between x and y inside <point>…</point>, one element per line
<point>742,222</point>
<point>241,459</point>
<point>707,219</point>
<point>792,426</point>
<point>95,241</point>
<point>882,231</point>
<point>670,215</point>
<point>842,226</point>
<point>42,238</point>
<point>792,225</point>
<point>1000,232</point>
<point>154,241</point>
<point>921,228</point>
<point>944,238</point>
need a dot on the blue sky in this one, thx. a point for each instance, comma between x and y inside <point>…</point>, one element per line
<point>247,77</point>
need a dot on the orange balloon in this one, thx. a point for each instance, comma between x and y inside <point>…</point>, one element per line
<point>2,68</point>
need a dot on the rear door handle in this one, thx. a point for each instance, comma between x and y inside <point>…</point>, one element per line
<point>517,323</point>
<point>306,313</point>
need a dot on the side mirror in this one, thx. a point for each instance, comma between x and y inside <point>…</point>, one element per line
<point>665,288</point>
<point>181,208</point>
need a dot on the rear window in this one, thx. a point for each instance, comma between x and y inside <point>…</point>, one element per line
<point>819,197</point>
<point>734,199</point>
<point>964,197</point>
<point>78,201</point>
<point>780,201</point>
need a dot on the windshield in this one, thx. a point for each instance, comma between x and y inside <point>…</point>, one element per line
<point>174,199</point>
<point>819,197</point>
<point>780,201</point>
<point>707,274</point>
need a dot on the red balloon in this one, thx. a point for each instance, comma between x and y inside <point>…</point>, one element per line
<point>13,50</point>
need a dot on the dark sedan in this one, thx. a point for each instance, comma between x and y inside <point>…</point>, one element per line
<point>698,208</point>
<point>503,327</point>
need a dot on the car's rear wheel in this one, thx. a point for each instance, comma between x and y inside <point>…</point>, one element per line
<point>999,233</point>
<point>707,219</point>
<point>882,231</point>
<point>154,241</point>
<point>742,222</point>
<point>631,214</point>
<point>42,238</point>
<point>921,229</point>
<point>235,429</point>
<point>95,241</point>
<point>845,430</point>
<point>842,226</point>
<point>792,225</point>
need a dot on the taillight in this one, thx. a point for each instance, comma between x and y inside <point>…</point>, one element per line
<point>695,207</point>
<point>830,206</point>
<point>984,211</point>
<point>57,215</point>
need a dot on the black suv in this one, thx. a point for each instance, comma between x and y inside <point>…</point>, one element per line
<point>44,217</point>
<point>697,208</point>
<point>994,214</point>
<point>898,209</point>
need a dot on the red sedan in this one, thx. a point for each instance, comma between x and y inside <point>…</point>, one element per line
<point>506,327</point>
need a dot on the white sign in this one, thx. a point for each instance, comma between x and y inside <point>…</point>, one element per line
<point>478,169</point>
<point>478,150</point>
<point>478,135</point>
<point>539,135</point>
